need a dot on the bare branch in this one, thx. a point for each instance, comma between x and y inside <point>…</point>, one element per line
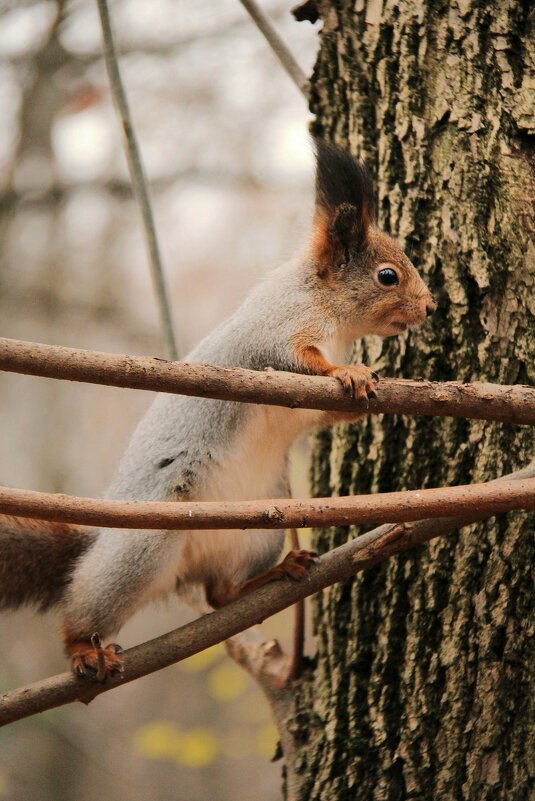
<point>278,45</point>
<point>486,499</point>
<point>481,401</point>
<point>334,566</point>
<point>298,640</point>
<point>139,181</point>
<point>210,29</point>
<point>56,193</point>
<point>269,666</point>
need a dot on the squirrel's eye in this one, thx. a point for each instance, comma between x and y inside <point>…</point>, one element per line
<point>387,276</point>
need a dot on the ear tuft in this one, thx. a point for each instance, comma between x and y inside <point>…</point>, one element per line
<point>344,201</point>
<point>346,224</point>
<point>342,179</point>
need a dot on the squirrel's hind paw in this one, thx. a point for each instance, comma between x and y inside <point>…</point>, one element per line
<point>92,661</point>
<point>296,563</point>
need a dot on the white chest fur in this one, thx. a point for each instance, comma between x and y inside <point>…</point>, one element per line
<point>254,468</point>
<point>255,459</point>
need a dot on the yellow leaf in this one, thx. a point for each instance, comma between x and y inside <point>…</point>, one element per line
<point>156,740</point>
<point>226,682</point>
<point>201,660</point>
<point>195,747</point>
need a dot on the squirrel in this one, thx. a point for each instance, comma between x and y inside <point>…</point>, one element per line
<point>351,279</point>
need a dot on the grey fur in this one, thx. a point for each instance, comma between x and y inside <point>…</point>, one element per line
<point>179,443</point>
<point>199,449</point>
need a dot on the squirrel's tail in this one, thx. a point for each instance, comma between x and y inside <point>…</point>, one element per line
<point>37,559</point>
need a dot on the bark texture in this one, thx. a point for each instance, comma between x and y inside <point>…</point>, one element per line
<point>423,686</point>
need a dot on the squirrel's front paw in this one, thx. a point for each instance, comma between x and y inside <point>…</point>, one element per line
<point>93,661</point>
<point>357,380</point>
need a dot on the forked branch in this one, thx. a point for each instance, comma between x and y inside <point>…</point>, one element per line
<point>334,566</point>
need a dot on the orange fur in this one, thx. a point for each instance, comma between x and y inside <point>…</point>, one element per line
<point>311,358</point>
<point>356,379</point>
<point>321,245</point>
<point>88,658</point>
<point>295,564</point>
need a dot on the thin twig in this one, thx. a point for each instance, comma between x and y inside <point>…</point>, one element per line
<point>169,47</point>
<point>298,640</point>
<point>481,401</point>
<point>278,45</point>
<point>55,194</point>
<point>139,182</point>
<point>334,566</point>
<point>486,498</point>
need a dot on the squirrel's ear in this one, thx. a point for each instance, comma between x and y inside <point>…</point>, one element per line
<point>344,205</point>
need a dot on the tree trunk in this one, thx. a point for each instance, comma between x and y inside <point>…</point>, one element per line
<point>424,682</point>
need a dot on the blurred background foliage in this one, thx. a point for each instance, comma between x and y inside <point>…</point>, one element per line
<point>223,134</point>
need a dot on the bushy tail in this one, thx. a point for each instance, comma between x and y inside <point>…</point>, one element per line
<point>37,559</point>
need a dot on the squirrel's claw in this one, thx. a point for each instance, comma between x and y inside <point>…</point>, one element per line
<point>92,661</point>
<point>296,563</point>
<point>357,380</point>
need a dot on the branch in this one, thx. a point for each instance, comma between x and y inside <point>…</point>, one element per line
<point>139,181</point>
<point>279,513</point>
<point>271,669</point>
<point>335,566</point>
<point>165,48</point>
<point>478,400</point>
<point>278,45</point>
<point>54,194</point>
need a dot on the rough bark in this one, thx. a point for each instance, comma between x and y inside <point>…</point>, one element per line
<point>423,687</point>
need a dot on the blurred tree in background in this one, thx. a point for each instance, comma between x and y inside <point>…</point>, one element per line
<point>224,138</point>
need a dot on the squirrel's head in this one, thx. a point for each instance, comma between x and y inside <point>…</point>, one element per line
<point>381,291</point>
